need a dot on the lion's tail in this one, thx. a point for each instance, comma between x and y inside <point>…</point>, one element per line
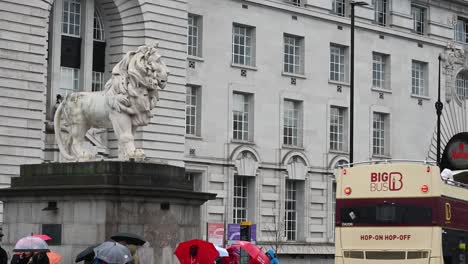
<point>58,131</point>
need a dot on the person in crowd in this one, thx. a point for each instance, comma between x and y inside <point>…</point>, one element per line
<point>272,256</point>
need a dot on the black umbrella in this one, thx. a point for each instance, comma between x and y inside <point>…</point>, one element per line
<point>129,238</point>
<point>87,254</point>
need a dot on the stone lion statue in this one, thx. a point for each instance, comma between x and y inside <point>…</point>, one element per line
<point>125,104</point>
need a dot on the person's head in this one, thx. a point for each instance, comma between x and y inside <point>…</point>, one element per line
<point>271,254</point>
<point>193,250</point>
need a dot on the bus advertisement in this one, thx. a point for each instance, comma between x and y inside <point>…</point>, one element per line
<point>393,212</point>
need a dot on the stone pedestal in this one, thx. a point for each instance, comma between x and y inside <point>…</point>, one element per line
<point>95,200</point>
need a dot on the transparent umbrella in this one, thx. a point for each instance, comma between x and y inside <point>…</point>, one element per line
<point>31,244</point>
<point>113,253</point>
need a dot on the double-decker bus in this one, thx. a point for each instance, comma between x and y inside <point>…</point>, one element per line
<point>400,212</point>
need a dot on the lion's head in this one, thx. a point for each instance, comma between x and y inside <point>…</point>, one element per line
<point>139,75</point>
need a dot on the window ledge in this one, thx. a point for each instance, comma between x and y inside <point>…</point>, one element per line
<point>292,147</point>
<point>338,83</point>
<point>295,75</point>
<point>381,90</point>
<point>381,156</point>
<point>243,66</point>
<point>236,141</point>
<point>195,58</point>
<point>188,136</point>
<point>420,97</point>
<point>339,152</point>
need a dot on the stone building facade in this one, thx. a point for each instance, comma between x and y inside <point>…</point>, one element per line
<point>257,105</point>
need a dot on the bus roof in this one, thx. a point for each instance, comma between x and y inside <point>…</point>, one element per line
<point>399,178</point>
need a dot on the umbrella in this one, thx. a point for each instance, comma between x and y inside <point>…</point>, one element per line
<point>255,253</point>
<point>31,243</point>
<point>233,256</point>
<point>222,251</point>
<point>113,252</point>
<point>42,236</point>
<point>54,257</point>
<point>196,251</point>
<point>129,238</point>
<point>87,254</point>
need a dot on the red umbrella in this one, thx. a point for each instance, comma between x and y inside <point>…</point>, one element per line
<point>256,254</point>
<point>196,251</point>
<point>233,257</point>
<point>43,237</point>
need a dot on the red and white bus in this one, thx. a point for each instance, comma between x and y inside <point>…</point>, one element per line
<point>400,212</point>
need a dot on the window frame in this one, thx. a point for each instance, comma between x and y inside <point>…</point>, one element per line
<point>242,183</point>
<point>292,110</point>
<point>247,117</point>
<point>464,87</point>
<point>338,68</point>
<point>97,83</point>
<point>195,109</point>
<point>100,26</point>
<point>461,30</point>
<point>343,4</point>
<point>291,210</point>
<point>194,22</point>
<point>381,68</point>
<point>74,73</point>
<point>419,85</point>
<point>293,60</point>
<point>380,134</point>
<point>384,5</point>
<point>76,27</point>
<point>343,114</point>
<point>247,33</point>
<point>424,11</point>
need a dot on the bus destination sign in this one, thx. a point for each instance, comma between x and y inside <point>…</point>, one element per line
<point>401,237</point>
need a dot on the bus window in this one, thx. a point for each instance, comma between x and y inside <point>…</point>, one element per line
<point>387,214</point>
<point>417,254</point>
<point>354,254</point>
<point>385,254</point>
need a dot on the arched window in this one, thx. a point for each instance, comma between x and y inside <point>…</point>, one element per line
<point>98,33</point>
<point>461,84</point>
<point>73,55</point>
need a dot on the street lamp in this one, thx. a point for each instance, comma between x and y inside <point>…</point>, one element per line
<point>439,106</point>
<point>351,84</point>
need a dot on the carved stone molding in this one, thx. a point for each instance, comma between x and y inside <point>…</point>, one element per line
<point>246,164</point>
<point>296,168</point>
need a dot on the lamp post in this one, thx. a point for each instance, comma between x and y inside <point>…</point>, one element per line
<point>439,106</point>
<point>351,83</point>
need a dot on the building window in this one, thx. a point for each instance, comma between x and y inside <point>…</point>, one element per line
<point>194,35</point>
<point>380,71</point>
<point>69,80</point>
<point>337,128</point>
<point>240,199</point>
<point>337,63</point>
<point>241,118</point>
<point>71,17</point>
<point>462,85</point>
<point>379,132</point>
<point>98,81</point>
<point>192,111</point>
<point>292,123</point>
<point>418,78</point>
<point>293,61</point>
<point>242,48</point>
<point>98,32</point>
<point>461,30</point>
<point>290,207</point>
<point>294,2</point>
<point>419,19</point>
<point>339,7</point>
<point>380,11</point>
